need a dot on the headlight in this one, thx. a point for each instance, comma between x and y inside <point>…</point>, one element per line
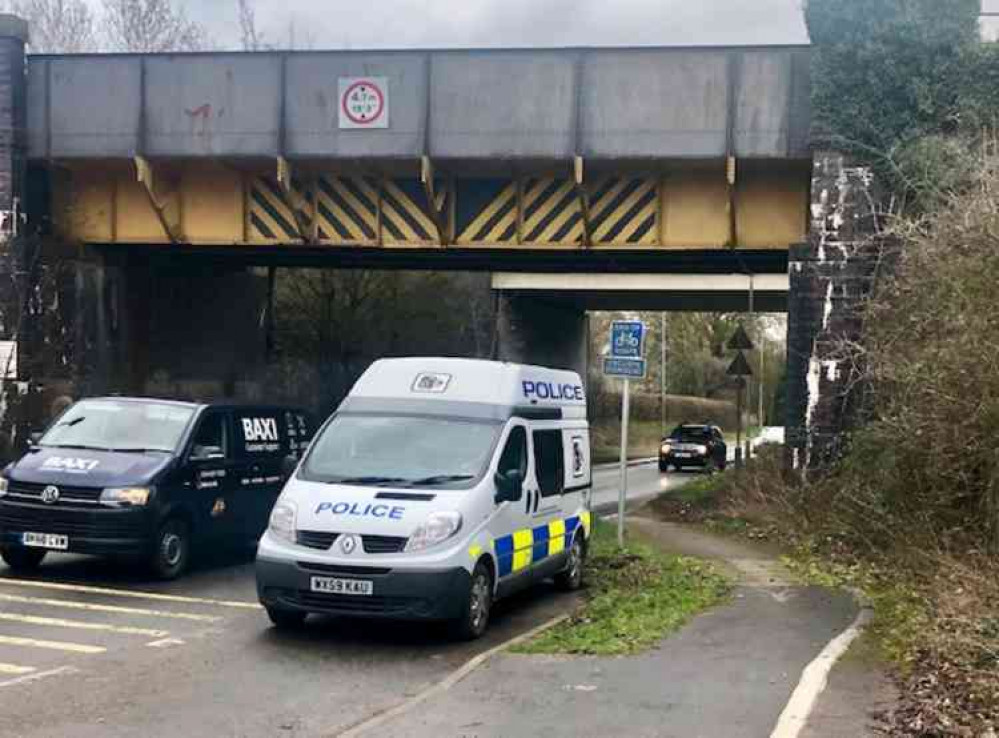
<point>3,486</point>
<point>665,448</point>
<point>125,496</point>
<point>283,518</point>
<point>701,450</point>
<point>438,527</point>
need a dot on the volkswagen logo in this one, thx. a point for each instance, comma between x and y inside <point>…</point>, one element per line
<point>50,495</point>
<point>348,544</point>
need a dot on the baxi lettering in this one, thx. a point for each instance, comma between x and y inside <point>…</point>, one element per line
<point>70,464</point>
<point>260,429</point>
<point>361,509</point>
<point>552,391</point>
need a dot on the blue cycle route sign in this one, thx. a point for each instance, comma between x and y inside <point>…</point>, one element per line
<point>624,368</point>
<point>627,339</point>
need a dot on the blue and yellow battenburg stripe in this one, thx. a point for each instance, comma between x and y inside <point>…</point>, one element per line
<point>527,546</point>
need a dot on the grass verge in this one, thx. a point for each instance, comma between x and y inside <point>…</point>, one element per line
<point>635,597</point>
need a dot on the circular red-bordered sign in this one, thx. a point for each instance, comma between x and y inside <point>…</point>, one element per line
<point>363,103</point>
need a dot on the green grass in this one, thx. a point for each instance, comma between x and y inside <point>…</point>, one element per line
<point>635,598</point>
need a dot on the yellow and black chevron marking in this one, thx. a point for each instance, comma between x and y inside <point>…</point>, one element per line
<point>487,211</point>
<point>624,211</point>
<point>347,209</point>
<point>405,217</point>
<point>272,216</point>
<point>552,213</point>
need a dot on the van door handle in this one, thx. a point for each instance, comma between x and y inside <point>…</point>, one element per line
<point>527,508</point>
<point>537,498</point>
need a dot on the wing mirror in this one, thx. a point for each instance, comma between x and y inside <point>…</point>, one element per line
<point>509,486</point>
<point>35,437</point>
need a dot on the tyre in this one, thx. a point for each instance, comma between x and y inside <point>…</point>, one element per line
<point>663,468</point>
<point>286,619</point>
<point>172,554</point>
<point>474,620</point>
<point>19,558</point>
<point>571,578</point>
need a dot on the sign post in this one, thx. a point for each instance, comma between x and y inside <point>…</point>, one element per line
<point>740,369</point>
<point>627,349</point>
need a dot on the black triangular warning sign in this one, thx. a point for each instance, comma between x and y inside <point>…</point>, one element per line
<point>740,367</point>
<point>740,340</point>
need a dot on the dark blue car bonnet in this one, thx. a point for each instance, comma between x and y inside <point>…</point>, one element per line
<point>86,468</point>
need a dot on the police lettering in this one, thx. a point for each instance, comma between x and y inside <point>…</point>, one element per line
<point>552,391</point>
<point>362,510</point>
<point>260,429</point>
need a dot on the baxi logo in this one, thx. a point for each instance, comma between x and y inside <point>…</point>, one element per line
<point>260,429</point>
<point>70,464</point>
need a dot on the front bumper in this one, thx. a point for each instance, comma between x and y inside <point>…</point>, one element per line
<point>100,532</point>
<point>672,459</point>
<point>410,594</point>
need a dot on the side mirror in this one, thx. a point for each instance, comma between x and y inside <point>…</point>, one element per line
<point>35,437</point>
<point>207,453</point>
<point>509,486</point>
<point>288,466</point>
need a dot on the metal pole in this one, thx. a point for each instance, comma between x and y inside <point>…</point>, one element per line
<point>763,357</point>
<point>738,424</point>
<point>662,372</point>
<point>625,411</point>
<point>749,385</point>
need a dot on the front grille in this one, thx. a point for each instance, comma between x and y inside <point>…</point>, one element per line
<point>350,603</point>
<point>383,544</point>
<point>316,539</point>
<point>72,523</point>
<point>340,570</point>
<point>73,497</point>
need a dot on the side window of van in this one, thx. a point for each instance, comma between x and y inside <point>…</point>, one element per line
<point>515,453</point>
<point>549,462</point>
<point>211,439</point>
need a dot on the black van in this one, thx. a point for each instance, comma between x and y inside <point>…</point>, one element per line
<point>148,478</point>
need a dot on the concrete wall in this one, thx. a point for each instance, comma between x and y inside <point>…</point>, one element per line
<point>830,277</point>
<point>533,331</point>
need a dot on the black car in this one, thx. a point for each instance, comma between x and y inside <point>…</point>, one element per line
<point>701,446</point>
<point>149,479</point>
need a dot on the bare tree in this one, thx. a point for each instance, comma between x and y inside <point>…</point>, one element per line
<point>62,26</point>
<point>251,38</point>
<point>150,26</point>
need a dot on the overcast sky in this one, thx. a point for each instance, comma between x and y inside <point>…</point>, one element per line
<point>476,23</point>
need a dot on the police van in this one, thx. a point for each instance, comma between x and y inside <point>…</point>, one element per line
<point>438,486</point>
<point>150,479</point>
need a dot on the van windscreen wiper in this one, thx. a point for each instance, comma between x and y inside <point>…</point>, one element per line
<point>371,480</point>
<point>440,479</point>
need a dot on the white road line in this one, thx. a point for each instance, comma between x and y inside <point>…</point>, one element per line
<point>814,679</point>
<point>380,718</point>
<point>166,643</point>
<point>81,625</point>
<point>50,645</point>
<point>70,604</point>
<point>129,593</point>
<point>38,675</point>
<point>15,670</point>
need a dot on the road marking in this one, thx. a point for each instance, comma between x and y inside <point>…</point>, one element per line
<point>60,623</point>
<point>50,645</point>
<point>166,643</point>
<point>380,718</point>
<point>39,675</point>
<point>814,679</point>
<point>14,669</point>
<point>130,593</point>
<point>109,608</point>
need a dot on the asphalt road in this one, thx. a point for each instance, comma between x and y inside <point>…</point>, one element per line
<point>92,648</point>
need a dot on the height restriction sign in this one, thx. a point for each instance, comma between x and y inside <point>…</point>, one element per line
<point>364,102</point>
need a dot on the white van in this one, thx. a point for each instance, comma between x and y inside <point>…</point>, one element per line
<point>438,486</point>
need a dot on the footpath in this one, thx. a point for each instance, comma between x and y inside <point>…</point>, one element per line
<point>729,673</point>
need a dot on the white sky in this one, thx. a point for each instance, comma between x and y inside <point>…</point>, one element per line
<point>477,23</point>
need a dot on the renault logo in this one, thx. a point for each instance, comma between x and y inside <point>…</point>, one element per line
<point>50,495</point>
<point>348,544</point>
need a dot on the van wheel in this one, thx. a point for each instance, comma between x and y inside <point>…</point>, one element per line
<point>286,619</point>
<point>173,549</point>
<point>19,558</point>
<point>571,578</point>
<point>474,620</point>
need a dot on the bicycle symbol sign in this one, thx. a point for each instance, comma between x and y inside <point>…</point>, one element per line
<point>627,339</point>
<point>363,102</point>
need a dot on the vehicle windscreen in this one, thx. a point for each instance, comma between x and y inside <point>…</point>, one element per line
<point>691,435</point>
<point>110,425</point>
<point>401,451</point>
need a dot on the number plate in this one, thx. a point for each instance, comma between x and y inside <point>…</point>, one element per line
<point>45,540</point>
<point>335,585</point>
<point>683,455</point>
